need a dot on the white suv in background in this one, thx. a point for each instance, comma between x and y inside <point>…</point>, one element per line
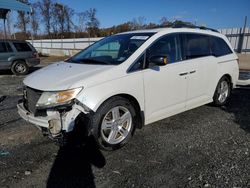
<point>127,80</point>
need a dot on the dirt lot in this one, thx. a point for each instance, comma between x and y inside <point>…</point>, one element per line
<point>204,147</point>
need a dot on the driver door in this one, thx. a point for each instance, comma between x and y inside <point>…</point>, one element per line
<point>165,87</point>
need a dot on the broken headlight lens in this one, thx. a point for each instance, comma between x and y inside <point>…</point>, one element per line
<point>57,98</point>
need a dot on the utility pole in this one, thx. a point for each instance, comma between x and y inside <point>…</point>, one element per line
<point>244,32</point>
<point>4,25</point>
<point>245,24</point>
<point>242,35</point>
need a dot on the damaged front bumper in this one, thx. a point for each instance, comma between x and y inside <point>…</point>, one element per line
<point>55,122</point>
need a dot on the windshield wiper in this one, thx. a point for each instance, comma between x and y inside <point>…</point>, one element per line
<point>89,60</point>
<point>71,61</point>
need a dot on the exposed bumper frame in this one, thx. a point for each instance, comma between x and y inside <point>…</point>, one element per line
<point>39,121</point>
<point>67,119</point>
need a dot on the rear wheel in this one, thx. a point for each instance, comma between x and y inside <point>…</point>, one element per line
<point>19,68</point>
<point>113,123</point>
<point>222,92</point>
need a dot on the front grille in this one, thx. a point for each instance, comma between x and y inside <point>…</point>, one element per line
<point>31,97</point>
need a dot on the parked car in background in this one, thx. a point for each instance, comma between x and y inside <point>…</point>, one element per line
<point>18,56</point>
<point>127,80</point>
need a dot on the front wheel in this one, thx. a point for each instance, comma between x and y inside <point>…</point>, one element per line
<point>113,123</point>
<point>19,68</point>
<point>222,92</point>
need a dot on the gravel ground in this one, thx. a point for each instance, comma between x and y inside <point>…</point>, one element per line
<point>204,147</point>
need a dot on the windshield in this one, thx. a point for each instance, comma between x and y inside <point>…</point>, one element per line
<point>111,50</point>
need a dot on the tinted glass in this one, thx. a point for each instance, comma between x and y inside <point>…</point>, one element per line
<point>219,47</point>
<point>22,47</point>
<point>167,46</point>
<point>111,50</point>
<point>138,65</point>
<point>5,47</point>
<point>196,45</point>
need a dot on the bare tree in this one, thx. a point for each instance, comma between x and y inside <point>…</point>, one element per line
<point>138,23</point>
<point>68,13</point>
<point>9,23</point>
<point>57,18</point>
<point>164,22</point>
<point>22,19</point>
<point>81,21</point>
<point>35,19</point>
<point>92,22</point>
<point>46,7</point>
<point>62,19</point>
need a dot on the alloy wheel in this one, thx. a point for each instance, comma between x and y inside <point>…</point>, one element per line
<point>116,125</point>
<point>223,91</point>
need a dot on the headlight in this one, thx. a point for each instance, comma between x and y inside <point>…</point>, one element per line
<point>57,98</point>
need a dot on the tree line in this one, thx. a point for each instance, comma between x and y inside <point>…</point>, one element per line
<point>56,20</point>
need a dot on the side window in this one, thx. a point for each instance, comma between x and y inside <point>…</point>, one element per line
<point>167,46</point>
<point>138,65</point>
<point>219,47</point>
<point>196,46</point>
<point>5,47</point>
<point>22,47</point>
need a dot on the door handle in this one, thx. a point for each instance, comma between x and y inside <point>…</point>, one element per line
<point>192,72</point>
<point>183,74</point>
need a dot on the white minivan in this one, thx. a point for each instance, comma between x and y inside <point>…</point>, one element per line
<point>128,80</point>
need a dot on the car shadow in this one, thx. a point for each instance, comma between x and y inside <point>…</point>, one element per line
<point>239,105</point>
<point>72,166</point>
<point>5,72</point>
<point>9,73</point>
<point>33,69</point>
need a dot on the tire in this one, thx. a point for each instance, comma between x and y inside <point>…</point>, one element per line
<point>19,68</point>
<point>222,92</point>
<point>111,132</point>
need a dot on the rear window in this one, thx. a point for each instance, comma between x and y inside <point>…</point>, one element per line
<point>5,47</point>
<point>219,47</point>
<point>22,47</point>
<point>197,46</point>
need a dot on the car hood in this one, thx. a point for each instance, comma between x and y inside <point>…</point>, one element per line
<point>62,76</point>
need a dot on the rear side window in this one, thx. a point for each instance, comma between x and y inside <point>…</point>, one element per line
<point>196,45</point>
<point>219,47</point>
<point>22,47</point>
<point>5,47</point>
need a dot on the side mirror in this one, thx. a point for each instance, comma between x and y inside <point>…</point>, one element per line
<point>158,60</point>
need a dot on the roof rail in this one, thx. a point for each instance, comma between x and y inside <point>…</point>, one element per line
<point>194,27</point>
